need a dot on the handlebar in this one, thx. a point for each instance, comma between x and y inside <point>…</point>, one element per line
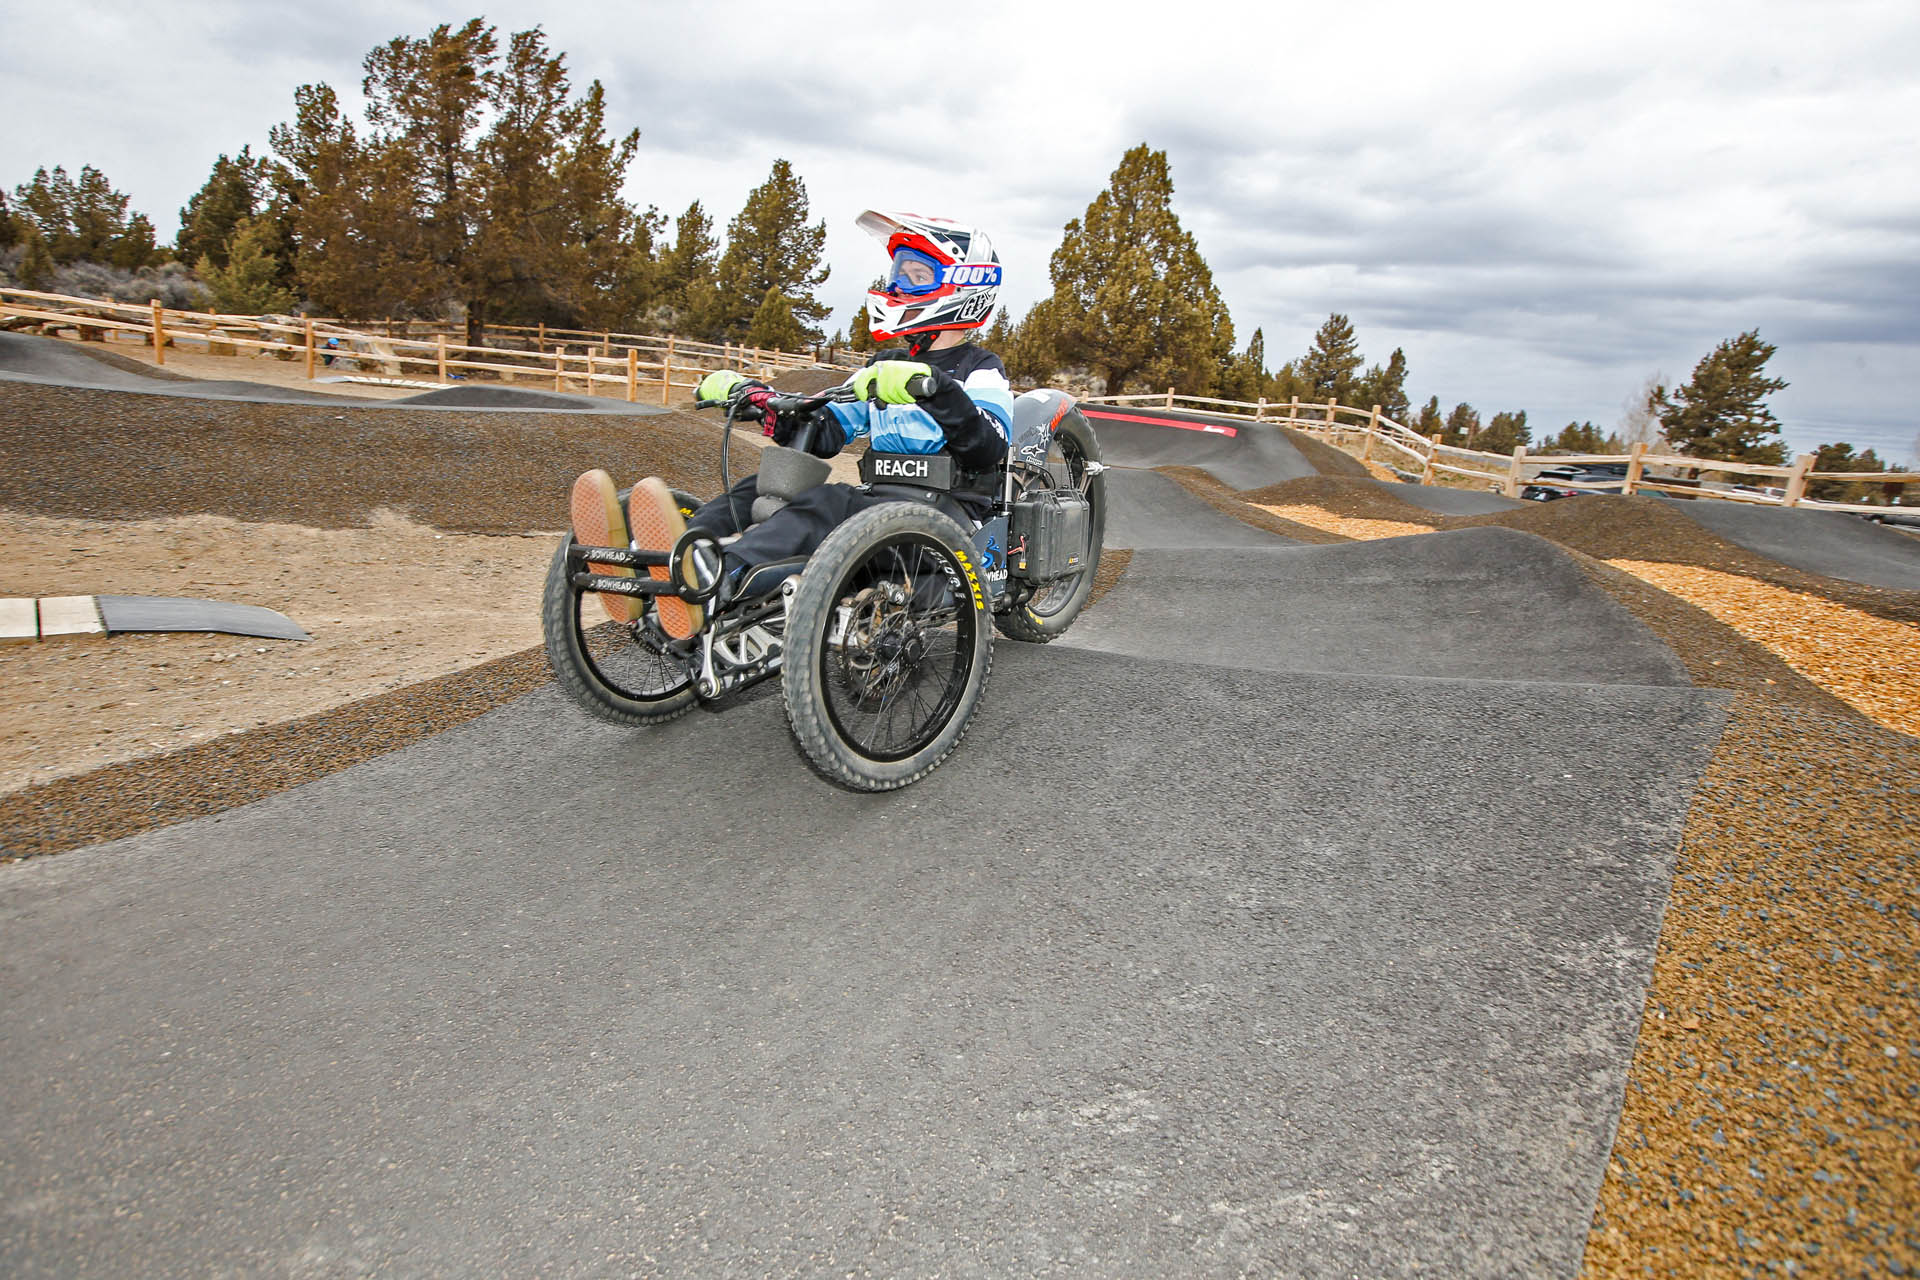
<point>919,386</point>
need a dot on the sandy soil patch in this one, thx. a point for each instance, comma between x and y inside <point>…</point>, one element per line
<point>386,606</point>
<point>192,361</point>
<point>1345,526</point>
<point>1869,663</point>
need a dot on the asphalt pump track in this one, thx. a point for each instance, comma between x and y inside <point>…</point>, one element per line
<point>24,358</point>
<point>1294,914</point>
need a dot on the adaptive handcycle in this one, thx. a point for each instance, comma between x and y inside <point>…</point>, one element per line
<point>883,636</point>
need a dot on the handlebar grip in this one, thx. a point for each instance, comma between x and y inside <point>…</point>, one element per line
<point>920,386</point>
<point>803,437</point>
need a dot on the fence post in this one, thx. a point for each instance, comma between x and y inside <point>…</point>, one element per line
<point>559,354</point>
<point>666,372</point>
<point>1293,412</point>
<point>1797,481</point>
<point>1433,451</point>
<point>633,374</point>
<point>440,355</point>
<point>1373,429</point>
<point>1635,465</point>
<point>1169,397</point>
<point>540,343</point>
<point>160,336</point>
<point>1260,414</point>
<point>606,346</point>
<point>309,348</point>
<point>1513,471</point>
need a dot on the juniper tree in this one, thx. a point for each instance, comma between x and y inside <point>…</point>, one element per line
<point>231,194</point>
<point>1132,297</point>
<point>1841,457</point>
<point>774,325</point>
<point>1720,413</point>
<point>248,283</point>
<point>84,219</point>
<point>770,246</point>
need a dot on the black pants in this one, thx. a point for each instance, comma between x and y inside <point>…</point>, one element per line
<point>804,523</point>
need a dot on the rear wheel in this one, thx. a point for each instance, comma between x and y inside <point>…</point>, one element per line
<point>888,648</point>
<point>626,673</point>
<point>1053,606</point>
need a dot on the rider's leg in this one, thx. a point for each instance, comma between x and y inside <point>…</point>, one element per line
<point>729,513</point>
<point>794,530</point>
<point>657,525</point>
<point>598,521</point>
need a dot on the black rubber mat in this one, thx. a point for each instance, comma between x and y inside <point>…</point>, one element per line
<point>179,613</point>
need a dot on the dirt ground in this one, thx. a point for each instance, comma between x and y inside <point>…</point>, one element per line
<point>386,606</point>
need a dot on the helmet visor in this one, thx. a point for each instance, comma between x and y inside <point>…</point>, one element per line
<point>913,274</point>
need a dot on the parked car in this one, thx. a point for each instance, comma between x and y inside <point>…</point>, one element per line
<point>1551,484</point>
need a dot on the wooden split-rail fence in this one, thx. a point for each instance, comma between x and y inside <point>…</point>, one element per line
<point>591,361</point>
<point>1377,433</point>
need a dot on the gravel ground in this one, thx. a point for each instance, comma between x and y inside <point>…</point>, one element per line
<point>65,451</point>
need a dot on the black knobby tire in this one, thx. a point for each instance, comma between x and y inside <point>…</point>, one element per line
<point>618,672</point>
<point>1051,609</point>
<point>883,704</point>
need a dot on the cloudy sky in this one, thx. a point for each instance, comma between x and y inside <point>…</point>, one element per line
<point>1543,207</point>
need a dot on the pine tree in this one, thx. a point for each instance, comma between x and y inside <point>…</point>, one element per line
<point>9,229</point>
<point>1430,420</point>
<point>1332,360</point>
<point>690,262</point>
<point>1720,413</point>
<point>1000,333</point>
<point>1244,376</point>
<point>1579,437</point>
<point>1132,297</point>
<point>1504,433</point>
<point>1462,427</point>
<point>770,246</point>
<point>483,186</point>
<point>1385,386</point>
<point>860,332</point>
<point>249,283</point>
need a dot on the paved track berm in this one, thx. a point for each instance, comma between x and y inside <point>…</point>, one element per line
<point>1283,920</point>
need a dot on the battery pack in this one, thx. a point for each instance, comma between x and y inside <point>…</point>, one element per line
<point>1049,535</point>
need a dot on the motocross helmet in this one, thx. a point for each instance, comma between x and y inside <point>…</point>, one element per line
<point>940,275</point>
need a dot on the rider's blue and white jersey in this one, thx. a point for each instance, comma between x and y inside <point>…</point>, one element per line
<point>909,428</point>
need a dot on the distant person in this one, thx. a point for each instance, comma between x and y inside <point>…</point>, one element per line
<point>942,280</point>
<point>332,349</point>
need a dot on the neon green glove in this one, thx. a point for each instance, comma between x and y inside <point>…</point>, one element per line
<point>888,380</point>
<point>718,386</point>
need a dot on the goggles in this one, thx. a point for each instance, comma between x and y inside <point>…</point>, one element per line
<point>913,274</point>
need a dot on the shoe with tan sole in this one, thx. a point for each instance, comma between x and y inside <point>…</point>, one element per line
<point>657,524</point>
<point>598,521</point>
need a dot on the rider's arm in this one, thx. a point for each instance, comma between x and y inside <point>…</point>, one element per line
<point>976,415</point>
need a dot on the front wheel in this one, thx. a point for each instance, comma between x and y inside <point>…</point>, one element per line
<point>623,672</point>
<point>888,648</point>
